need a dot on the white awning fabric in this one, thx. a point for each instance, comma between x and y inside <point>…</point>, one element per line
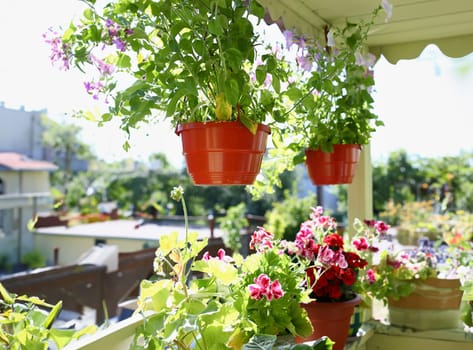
<point>414,23</point>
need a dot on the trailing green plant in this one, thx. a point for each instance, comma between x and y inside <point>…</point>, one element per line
<point>330,94</point>
<point>26,324</point>
<point>193,60</point>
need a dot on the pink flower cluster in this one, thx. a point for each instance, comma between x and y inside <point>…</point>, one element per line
<point>261,240</point>
<point>221,255</point>
<point>263,287</point>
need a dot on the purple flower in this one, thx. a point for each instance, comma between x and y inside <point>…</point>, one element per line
<point>288,35</point>
<point>330,39</point>
<point>60,51</point>
<point>301,42</point>
<point>304,62</point>
<point>119,44</point>
<point>367,60</point>
<point>388,8</point>
<point>268,80</point>
<point>93,88</point>
<point>103,68</point>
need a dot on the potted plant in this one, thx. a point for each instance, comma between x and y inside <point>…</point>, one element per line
<point>332,117</point>
<point>198,63</point>
<point>332,267</point>
<point>221,301</point>
<point>421,281</point>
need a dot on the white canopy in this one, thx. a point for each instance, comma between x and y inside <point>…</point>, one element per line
<point>414,23</point>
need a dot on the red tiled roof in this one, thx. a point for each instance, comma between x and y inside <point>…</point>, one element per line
<point>16,161</point>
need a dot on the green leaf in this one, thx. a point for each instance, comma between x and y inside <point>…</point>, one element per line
<point>199,47</point>
<point>168,242</point>
<point>5,295</point>
<point>232,91</point>
<point>267,99</point>
<point>105,117</point>
<point>276,84</point>
<point>261,74</point>
<point>61,337</point>
<point>94,33</point>
<point>215,27</point>
<point>261,342</point>
<point>177,96</point>
<point>124,61</point>
<point>139,34</point>
<point>294,94</point>
<point>256,9</point>
<point>233,58</point>
<point>53,314</point>
<point>177,27</point>
<point>222,21</point>
<point>185,45</point>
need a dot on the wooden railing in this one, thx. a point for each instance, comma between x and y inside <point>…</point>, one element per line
<point>86,285</point>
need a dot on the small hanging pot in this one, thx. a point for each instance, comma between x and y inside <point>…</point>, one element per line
<point>332,168</point>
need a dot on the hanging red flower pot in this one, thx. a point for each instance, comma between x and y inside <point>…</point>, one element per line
<point>331,319</point>
<point>331,168</point>
<point>222,153</point>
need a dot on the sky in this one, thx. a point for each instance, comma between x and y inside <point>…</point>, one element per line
<point>425,103</point>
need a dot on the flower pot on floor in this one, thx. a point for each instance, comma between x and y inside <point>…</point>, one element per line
<point>331,319</point>
<point>332,168</point>
<point>223,153</point>
<point>434,304</point>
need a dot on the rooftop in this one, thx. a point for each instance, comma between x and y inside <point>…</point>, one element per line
<point>17,162</point>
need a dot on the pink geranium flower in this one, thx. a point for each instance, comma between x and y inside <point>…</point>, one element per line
<point>263,287</point>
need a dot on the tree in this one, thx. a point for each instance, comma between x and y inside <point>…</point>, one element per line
<point>64,145</point>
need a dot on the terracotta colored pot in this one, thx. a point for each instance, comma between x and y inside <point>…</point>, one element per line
<point>434,304</point>
<point>222,153</point>
<point>331,319</point>
<point>332,168</point>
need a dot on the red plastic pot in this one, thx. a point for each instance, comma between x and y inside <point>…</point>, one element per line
<point>223,153</point>
<point>331,319</point>
<point>332,168</point>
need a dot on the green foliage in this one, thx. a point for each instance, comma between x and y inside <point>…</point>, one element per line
<point>190,60</point>
<point>206,303</point>
<point>269,342</point>
<point>33,259</point>
<point>65,145</point>
<point>284,219</point>
<point>25,323</point>
<point>330,97</point>
<point>4,265</point>
<point>232,225</point>
<point>404,179</point>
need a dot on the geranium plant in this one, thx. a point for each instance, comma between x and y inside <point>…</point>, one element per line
<point>191,60</point>
<point>216,302</point>
<point>331,265</point>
